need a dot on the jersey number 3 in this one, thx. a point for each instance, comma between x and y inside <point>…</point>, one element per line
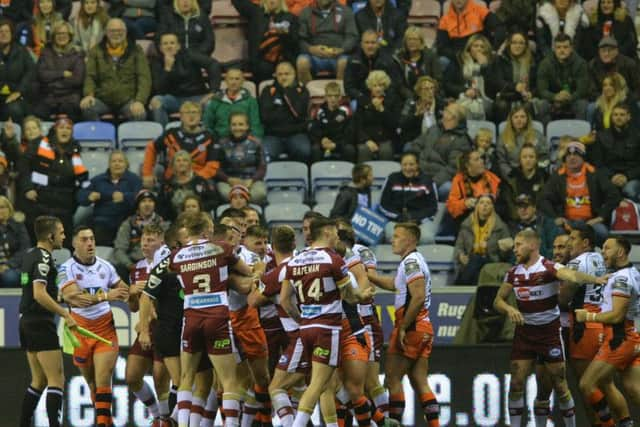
<point>314,292</point>
<point>202,284</point>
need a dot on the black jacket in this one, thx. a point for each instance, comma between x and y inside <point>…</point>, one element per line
<point>378,126</point>
<point>261,34</point>
<point>346,201</point>
<point>284,111</point>
<point>498,79</point>
<point>335,125</point>
<point>409,124</point>
<point>622,28</point>
<point>617,151</point>
<point>358,68</point>
<point>185,78</point>
<point>407,73</point>
<point>14,238</point>
<point>625,66</point>
<point>406,199</point>
<point>393,24</point>
<point>17,70</point>
<point>604,195</point>
<point>173,195</point>
<point>194,34</point>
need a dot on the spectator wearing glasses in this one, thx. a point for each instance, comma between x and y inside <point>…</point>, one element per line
<point>60,75</point>
<point>118,79</point>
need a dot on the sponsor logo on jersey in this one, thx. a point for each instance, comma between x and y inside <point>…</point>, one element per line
<point>311,310</point>
<point>221,344</point>
<point>283,359</point>
<point>321,352</point>
<point>555,352</point>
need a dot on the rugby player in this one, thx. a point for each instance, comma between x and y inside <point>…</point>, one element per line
<point>38,334</point>
<point>84,275</point>
<point>534,280</point>
<point>620,350</point>
<point>411,340</point>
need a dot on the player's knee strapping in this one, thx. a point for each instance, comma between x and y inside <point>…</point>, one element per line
<point>396,406</point>
<point>601,408</point>
<point>431,409</point>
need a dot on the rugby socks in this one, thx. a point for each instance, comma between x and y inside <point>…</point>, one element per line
<point>54,406</point>
<point>197,410</point>
<point>219,398</point>
<point>362,410</point>
<point>103,406</point>
<point>431,409</point>
<point>173,397</point>
<point>264,410</point>
<point>516,410</point>
<point>600,407</point>
<point>568,408</point>
<point>381,400</point>
<point>249,409</point>
<point>396,406</point>
<point>146,396</point>
<point>541,412</point>
<point>29,405</point>
<point>184,407</point>
<point>231,409</point>
<point>304,415</point>
<point>163,405</point>
<point>283,407</point>
<point>341,413</point>
<point>210,410</point>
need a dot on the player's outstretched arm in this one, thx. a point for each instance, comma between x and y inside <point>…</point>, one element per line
<point>566,273</point>
<point>501,305</point>
<point>384,282</point>
<point>614,316</point>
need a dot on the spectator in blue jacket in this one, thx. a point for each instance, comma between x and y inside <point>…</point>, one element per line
<point>113,195</point>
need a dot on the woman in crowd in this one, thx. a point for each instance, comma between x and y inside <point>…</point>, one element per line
<point>422,110</point>
<point>14,241</point>
<point>610,18</point>
<point>51,173</point>
<point>272,35</point>
<point>410,196</point>
<point>113,195</point>
<point>244,162</point>
<point>183,183</point>
<point>60,74</point>
<point>518,131</point>
<point>483,143</point>
<point>483,238</point>
<point>414,60</point>
<point>376,119</point>
<point>190,24</point>
<point>89,25</point>
<point>614,91</point>
<point>441,146</point>
<point>45,18</point>
<point>528,178</point>
<point>465,78</point>
<point>510,80</point>
<point>471,181</point>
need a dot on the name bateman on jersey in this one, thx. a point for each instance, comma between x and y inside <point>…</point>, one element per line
<point>306,269</point>
<point>194,266</point>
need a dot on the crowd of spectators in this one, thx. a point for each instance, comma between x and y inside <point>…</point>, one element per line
<point>396,96</point>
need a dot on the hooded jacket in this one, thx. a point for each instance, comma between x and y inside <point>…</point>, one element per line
<point>454,29</point>
<point>549,24</point>
<point>346,201</point>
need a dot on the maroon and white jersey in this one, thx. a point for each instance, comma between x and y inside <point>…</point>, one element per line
<point>536,290</point>
<point>203,272</point>
<point>140,271</point>
<point>316,275</point>
<point>270,286</point>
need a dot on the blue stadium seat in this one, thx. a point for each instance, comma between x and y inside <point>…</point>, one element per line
<point>96,161</point>
<point>95,135</point>
<point>287,182</point>
<point>323,208</point>
<point>138,134</point>
<point>285,214</point>
<point>381,170</point>
<point>329,175</point>
<point>536,125</point>
<point>473,126</point>
<point>387,260</point>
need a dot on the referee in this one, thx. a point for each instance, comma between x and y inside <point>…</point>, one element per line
<point>38,334</point>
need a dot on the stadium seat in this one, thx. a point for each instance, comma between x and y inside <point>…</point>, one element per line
<point>264,84</point>
<point>104,252</point>
<point>329,175</point>
<point>172,125</point>
<point>425,12</point>
<point>381,170</point>
<point>536,125</point>
<point>231,44</point>
<point>288,179</point>
<point>438,257</point>
<point>441,279</point>
<point>558,128</point>
<point>18,130</point>
<point>97,161</point>
<point>95,135</point>
<point>61,255</point>
<point>473,126</point>
<point>387,260</point>
<point>323,208</point>
<point>376,195</point>
<point>247,84</point>
<point>223,13</point>
<point>326,196</point>
<point>285,196</point>
<point>46,126</point>
<point>138,134</point>
<point>285,213</point>
<point>316,90</point>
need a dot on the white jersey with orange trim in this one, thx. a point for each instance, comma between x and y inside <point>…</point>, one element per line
<point>591,263</point>
<point>412,267</point>
<point>625,283</point>
<point>367,257</point>
<point>100,276</point>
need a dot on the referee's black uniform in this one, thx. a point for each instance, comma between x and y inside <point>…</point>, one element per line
<point>37,325</point>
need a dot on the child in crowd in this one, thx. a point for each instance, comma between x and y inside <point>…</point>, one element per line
<point>330,129</point>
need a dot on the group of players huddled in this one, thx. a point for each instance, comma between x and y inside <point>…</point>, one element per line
<point>230,322</point>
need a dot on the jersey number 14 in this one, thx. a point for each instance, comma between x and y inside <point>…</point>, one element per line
<point>314,292</point>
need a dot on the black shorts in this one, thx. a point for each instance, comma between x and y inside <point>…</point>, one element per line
<point>166,339</point>
<point>38,334</point>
